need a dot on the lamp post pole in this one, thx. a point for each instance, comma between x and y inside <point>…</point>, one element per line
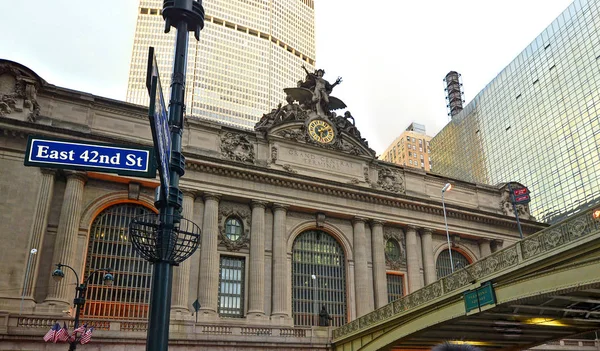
<point>315,305</point>
<point>80,289</point>
<point>185,16</point>
<point>447,187</point>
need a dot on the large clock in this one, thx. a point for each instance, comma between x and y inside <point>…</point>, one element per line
<point>321,131</point>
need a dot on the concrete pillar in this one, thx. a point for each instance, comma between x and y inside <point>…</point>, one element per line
<point>364,300</point>
<point>280,275</point>
<point>428,263</point>
<point>66,236</point>
<point>209,257</point>
<point>256,282</point>
<point>485,248</point>
<point>412,258</point>
<point>379,278</point>
<point>38,228</point>
<point>181,274</point>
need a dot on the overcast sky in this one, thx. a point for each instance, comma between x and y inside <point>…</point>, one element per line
<point>392,54</point>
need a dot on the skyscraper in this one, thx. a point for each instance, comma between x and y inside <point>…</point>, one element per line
<point>248,52</point>
<point>538,121</point>
<point>410,149</point>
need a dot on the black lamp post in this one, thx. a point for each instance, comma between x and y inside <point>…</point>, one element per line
<point>79,300</point>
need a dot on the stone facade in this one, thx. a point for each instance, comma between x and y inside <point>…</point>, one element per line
<point>275,181</point>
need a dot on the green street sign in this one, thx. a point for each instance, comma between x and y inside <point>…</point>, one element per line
<point>482,296</point>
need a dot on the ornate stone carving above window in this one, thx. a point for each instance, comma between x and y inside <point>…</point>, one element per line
<point>234,227</point>
<point>389,179</point>
<point>395,248</point>
<point>237,147</point>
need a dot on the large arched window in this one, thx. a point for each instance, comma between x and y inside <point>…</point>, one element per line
<point>318,278</point>
<point>109,247</point>
<point>443,262</point>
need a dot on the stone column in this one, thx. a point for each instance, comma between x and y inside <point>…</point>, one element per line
<point>209,257</point>
<point>280,274</point>
<point>412,258</point>
<point>364,300</point>
<point>485,248</point>
<point>378,249</point>
<point>66,235</point>
<point>181,274</point>
<point>38,228</point>
<point>428,263</point>
<point>256,305</point>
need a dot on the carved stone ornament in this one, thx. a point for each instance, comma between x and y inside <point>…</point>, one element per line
<point>274,153</point>
<point>391,233</point>
<point>237,147</point>
<point>18,91</point>
<point>312,100</point>
<point>506,205</point>
<point>289,168</point>
<point>227,211</point>
<point>390,180</point>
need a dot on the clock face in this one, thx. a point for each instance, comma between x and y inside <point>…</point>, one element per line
<point>321,131</point>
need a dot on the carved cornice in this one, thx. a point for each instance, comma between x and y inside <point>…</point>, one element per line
<point>354,192</point>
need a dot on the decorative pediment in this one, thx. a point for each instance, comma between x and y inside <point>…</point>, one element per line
<point>18,91</point>
<point>309,117</point>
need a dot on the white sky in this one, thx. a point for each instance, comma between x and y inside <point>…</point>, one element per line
<point>392,54</point>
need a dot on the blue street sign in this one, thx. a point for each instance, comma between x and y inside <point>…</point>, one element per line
<point>89,156</point>
<point>161,135</point>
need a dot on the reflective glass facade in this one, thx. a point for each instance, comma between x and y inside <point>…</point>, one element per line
<point>538,121</point>
<point>249,50</point>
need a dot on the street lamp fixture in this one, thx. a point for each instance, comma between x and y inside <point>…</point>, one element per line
<point>58,274</point>
<point>445,189</point>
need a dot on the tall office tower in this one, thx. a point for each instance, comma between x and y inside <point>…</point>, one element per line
<point>538,121</point>
<point>248,52</point>
<point>410,149</point>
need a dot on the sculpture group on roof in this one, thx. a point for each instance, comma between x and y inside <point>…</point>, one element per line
<point>311,98</point>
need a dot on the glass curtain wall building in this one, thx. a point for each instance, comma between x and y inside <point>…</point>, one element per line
<point>538,121</point>
<point>248,52</point>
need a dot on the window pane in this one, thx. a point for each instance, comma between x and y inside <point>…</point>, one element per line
<point>233,228</point>
<point>109,246</point>
<point>231,286</point>
<point>395,287</point>
<point>443,262</point>
<point>317,253</point>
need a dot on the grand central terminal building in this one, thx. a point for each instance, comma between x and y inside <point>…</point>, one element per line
<point>296,214</point>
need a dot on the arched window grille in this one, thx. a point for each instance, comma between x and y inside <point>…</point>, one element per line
<point>316,253</point>
<point>109,246</point>
<point>233,228</point>
<point>443,262</point>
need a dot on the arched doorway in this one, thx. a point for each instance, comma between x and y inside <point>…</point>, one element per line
<point>318,278</point>
<point>109,247</point>
<point>443,266</point>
